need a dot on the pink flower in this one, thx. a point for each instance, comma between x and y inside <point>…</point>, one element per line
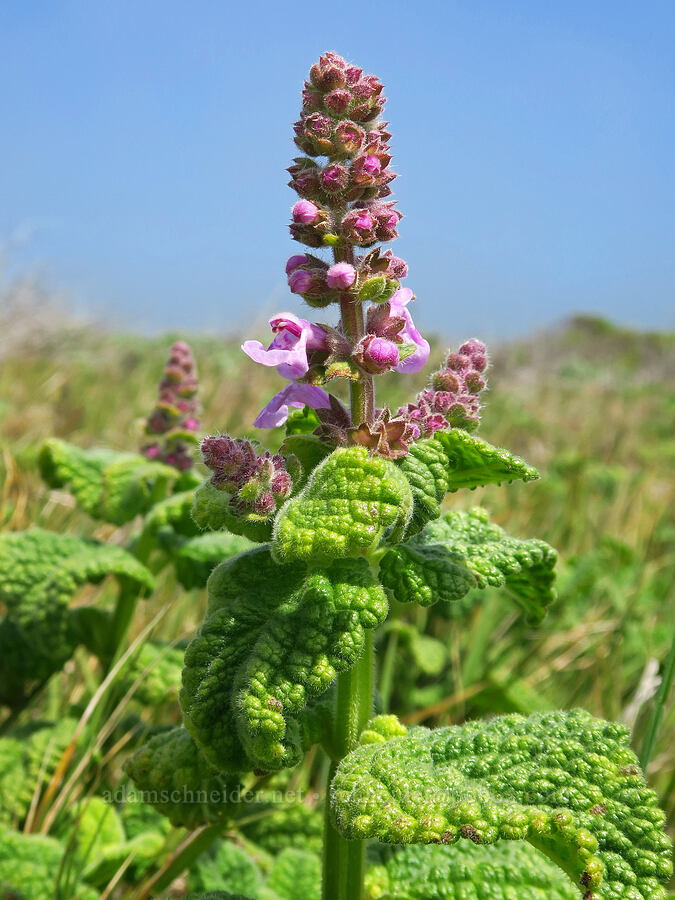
<point>409,334</point>
<point>294,394</point>
<point>341,276</point>
<point>305,212</point>
<point>293,337</point>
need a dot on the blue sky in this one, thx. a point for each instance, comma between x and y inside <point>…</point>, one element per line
<point>144,146</point>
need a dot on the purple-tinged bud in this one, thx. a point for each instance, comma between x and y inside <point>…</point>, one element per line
<point>281,485</point>
<point>329,73</point>
<point>359,226</point>
<point>365,169</point>
<point>312,99</point>
<point>397,267</point>
<point>318,126</point>
<point>175,411</point>
<point>338,101</point>
<point>307,235</point>
<point>309,282</point>
<point>477,353</point>
<point>375,354</point>
<point>458,362</point>
<point>294,262</point>
<point>474,382</point>
<point>341,276</point>
<point>334,178</point>
<point>445,381</point>
<point>305,212</point>
<point>264,505</point>
<point>353,74</point>
<point>349,138</point>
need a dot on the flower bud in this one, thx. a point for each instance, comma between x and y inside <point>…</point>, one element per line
<point>305,212</point>
<point>375,354</point>
<point>341,276</point>
<point>312,99</point>
<point>334,178</point>
<point>308,281</point>
<point>349,138</point>
<point>329,72</point>
<point>294,262</point>
<point>337,101</point>
<point>359,226</point>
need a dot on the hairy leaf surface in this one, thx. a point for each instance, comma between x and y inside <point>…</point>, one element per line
<point>274,638</point>
<point>179,781</point>
<point>39,573</point>
<point>199,556</point>
<point>505,871</point>
<point>349,502</point>
<point>452,460</point>
<point>464,550</point>
<point>108,485</point>
<point>567,783</point>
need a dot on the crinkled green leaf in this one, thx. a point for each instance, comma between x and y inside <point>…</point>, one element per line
<point>29,755</point>
<point>429,653</point>
<point>179,781</point>
<point>156,671</point>
<point>463,550</point>
<point>505,871</point>
<point>452,460</point>
<point>302,421</point>
<point>39,573</point>
<point>349,502</point>
<point>138,854</point>
<point>171,517</point>
<point>225,866</point>
<point>212,511</point>
<point>296,875</point>
<point>97,826</point>
<point>29,868</point>
<point>297,826</point>
<point>108,485</point>
<point>274,638</point>
<point>567,783</point>
<point>198,557</point>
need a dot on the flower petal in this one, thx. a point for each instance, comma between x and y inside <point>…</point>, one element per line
<point>409,334</point>
<point>294,394</point>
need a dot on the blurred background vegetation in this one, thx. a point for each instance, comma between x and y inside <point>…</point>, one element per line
<point>590,404</point>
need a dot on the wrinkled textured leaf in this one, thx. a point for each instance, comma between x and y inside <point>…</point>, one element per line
<point>452,460</point>
<point>198,557</point>
<point>298,826</point>
<point>295,875</point>
<point>567,783</point>
<point>29,867</point>
<point>29,756</point>
<point>349,503</point>
<point>464,550</point>
<point>274,638</point>
<point>226,866</point>
<point>156,671</point>
<point>108,485</point>
<point>308,449</point>
<point>212,511</point>
<point>39,573</point>
<point>178,780</point>
<point>506,871</point>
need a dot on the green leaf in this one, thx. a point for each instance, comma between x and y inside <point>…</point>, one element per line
<point>349,503</point>
<point>428,653</point>
<point>29,756</point>
<point>505,871</point>
<point>297,826</point>
<point>111,486</point>
<point>451,460</point>
<point>225,865</point>
<point>29,868</point>
<point>463,551</point>
<point>177,779</point>
<point>157,669</point>
<point>274,638</point>
<point>212,510</point>
<point>308,449</point>
<point>170,518</point>
<point>296,875</point>
<point>567,783</point>
<point>199,556</point>
<point>302,421</point>
<point>39,573</point>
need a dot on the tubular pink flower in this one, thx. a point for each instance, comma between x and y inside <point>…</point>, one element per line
<point>341,276</point>
<point>409,334</point>
<point>293,337</point>
<point>305,212</point>
<point>294,394</point>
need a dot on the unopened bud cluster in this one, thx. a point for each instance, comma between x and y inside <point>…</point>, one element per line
<point>453,397</point>
<point>173,420</point>
<point>258,483</point>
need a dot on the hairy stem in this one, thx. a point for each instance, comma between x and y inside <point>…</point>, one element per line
<point>343,861</point>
